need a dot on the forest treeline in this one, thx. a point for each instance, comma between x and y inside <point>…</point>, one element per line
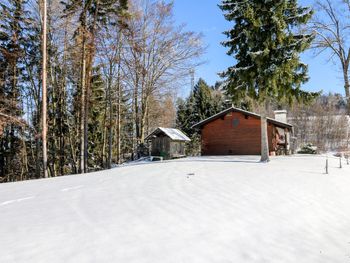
<point>113,70</point>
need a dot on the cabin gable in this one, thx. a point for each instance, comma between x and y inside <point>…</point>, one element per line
<point>233,133</point>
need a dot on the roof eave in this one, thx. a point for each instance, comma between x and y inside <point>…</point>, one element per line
<point>224,112</point>
<point>218,115</point>
<point>161,129</point>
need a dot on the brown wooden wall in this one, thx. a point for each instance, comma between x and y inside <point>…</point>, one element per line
<point>235,134</point>
<point>168,149</point>
<point>161,146</point>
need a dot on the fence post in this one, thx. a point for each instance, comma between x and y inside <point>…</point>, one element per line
<point>340,166</point>
<point>327,165</point>
<point>347,159</point>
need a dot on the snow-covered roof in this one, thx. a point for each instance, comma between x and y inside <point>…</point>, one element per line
<point>224,112</point>
<point>174,134</point>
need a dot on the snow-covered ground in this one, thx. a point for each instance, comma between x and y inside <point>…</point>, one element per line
<point>195,210</point>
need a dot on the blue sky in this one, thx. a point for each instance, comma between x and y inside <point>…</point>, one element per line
<point>204,16</point>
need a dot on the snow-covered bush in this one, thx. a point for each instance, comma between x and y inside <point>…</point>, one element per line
<point>308,149</point>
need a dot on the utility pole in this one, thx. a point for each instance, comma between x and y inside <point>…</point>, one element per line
<point>44,89</point>
<point>192,79</point>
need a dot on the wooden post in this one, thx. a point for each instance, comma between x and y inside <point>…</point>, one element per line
<point>327,166</point>
<point>340,165</point>
<point>285,142</point>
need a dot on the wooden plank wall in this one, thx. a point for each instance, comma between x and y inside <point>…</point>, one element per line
<point>161,146</point>
<point>235,134</point>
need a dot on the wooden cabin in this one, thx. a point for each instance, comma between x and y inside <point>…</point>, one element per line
<point>238,132</point>
<point>167,143</point>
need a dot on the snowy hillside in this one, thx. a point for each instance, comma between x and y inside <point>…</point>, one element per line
<point>197,210</point>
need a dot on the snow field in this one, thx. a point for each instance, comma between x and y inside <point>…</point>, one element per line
<point>205,209</point>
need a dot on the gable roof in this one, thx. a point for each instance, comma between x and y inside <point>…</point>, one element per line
<point>174,134</point>
<point>233,109</point>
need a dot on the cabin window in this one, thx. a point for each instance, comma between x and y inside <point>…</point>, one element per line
<point>235,122</point>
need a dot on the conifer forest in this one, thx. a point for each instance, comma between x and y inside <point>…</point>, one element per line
<point>112,73</point>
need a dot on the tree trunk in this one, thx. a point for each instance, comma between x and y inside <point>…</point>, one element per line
<point>86,115</point>
<point>104,136</point>
<point>119,97</point>
<point>110,141</point>
<point>62,104</point>
<point>54,131</point>
<point>25,169</point>
<point>264,135</point>
<point>110,130</point>
<point>118,125</point>
<point>347,90</point>
<point>345,67</point>
<point>82,104</point>
<point>119,94</point>
<point>136,118</point>
<point>44,91</point>
<point>144,118</point>
<point>264,140</point>
<point>88,72</point>
<point>37,154</point>
<point>72,151</point>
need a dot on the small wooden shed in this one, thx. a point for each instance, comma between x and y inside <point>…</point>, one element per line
<point>168,143</point>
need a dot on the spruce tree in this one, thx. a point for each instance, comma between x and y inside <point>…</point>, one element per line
<point>198,106</point>
<point>203,102</point>
<point>91,15</point>
<point>14,35</point>
<point>97,126</point>
<point>266,46</point>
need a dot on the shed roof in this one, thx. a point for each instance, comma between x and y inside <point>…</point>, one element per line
<point>174,134</point>
<point>231,109</point>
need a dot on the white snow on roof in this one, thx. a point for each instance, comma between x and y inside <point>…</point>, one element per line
<point>242,111</point>
<point>173,134</point>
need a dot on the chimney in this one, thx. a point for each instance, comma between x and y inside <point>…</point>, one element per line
<point>281,115</point>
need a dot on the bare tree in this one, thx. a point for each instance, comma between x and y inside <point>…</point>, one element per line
<point>160,54</point>
<point>44,89</point>
<point>323,123</point>
<point>332,28</point>
<point>88,81</point>
<point>109,58</point>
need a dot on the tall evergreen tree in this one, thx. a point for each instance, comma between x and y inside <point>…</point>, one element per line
<point>202,95</point>
<point>97,120</point>
<point>14,28</point>
<point>91,15</point>
<point>202,103</point>
<point>266,45</point>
